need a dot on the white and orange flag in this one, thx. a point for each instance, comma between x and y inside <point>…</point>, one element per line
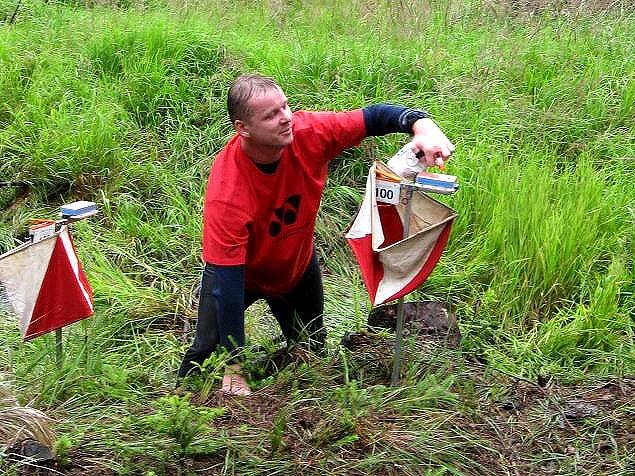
<point>393,265</point>
<point>44,285</point>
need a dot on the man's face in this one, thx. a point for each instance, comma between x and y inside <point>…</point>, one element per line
<point>270,121</point>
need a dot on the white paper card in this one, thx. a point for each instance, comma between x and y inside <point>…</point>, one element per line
<point>387,192</point>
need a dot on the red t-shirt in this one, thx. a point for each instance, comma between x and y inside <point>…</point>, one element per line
<point>266,221</point>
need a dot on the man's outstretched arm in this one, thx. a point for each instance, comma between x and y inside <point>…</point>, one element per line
<point>381,119</point>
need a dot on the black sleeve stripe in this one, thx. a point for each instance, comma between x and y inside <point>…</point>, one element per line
<point>381,119</point>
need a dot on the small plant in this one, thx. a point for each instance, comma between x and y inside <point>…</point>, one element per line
<point>175,416</point>
<point>277,431</point>
<point>62,448</point>
<point>7,470</point>
<point>211,373</point>
<point>354,398</point>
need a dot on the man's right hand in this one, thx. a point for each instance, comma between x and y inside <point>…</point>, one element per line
<point>234,383</point>
<point>431,142</point>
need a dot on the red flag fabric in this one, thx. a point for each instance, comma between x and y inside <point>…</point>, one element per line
<point>393,265</point>
<point>45,285</point>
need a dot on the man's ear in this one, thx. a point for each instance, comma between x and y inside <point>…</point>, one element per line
<point>241,128</point>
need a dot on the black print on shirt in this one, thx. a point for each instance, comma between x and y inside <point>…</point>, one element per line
<point>287,214</point>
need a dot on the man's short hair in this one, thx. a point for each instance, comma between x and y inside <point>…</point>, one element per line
<point>242,90</point>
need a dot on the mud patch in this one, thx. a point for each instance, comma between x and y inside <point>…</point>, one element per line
<point>424,318</point>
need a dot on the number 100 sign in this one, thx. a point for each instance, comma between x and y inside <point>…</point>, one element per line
<point>387,192</point>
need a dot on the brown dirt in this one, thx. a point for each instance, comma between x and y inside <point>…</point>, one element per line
<point>528,428</point>
<point>430,318</point>
<point>508,425</point>
<point>589,428</point>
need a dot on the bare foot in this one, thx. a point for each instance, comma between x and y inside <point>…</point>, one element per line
<point>234,383</point>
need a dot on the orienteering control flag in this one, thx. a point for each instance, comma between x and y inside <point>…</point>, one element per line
<point>45,285</point>
<point>393,265</point>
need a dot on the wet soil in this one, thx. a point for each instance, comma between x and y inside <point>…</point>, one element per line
<point>512,426</point>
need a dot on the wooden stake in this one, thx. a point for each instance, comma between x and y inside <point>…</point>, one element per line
<point>396,365</point>
<point>59,354</point>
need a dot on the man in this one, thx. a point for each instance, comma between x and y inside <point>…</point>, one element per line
<point>261,203</point>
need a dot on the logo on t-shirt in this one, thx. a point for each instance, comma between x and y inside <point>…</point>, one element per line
<point>287,214</point>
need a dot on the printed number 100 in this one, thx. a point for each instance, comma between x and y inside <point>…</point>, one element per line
<point>385,193</point>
